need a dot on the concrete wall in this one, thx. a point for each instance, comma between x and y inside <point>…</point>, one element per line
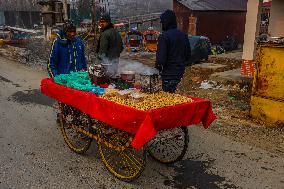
<point>276,25</point>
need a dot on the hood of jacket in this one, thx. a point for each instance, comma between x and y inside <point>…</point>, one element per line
<point>62,39</point>
<point>168,20</point>
<point>110,25</point>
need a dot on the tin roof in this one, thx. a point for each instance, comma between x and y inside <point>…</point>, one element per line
<point>215,5</point>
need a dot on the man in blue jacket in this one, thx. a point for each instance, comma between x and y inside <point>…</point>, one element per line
<point>67,53</point>
<point>173,52</point>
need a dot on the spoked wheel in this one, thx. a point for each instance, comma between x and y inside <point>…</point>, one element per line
<point>169,146</point>
<point>120,159</point>
<point>69,118</point>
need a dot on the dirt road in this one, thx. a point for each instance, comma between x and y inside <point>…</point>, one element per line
<point>33,154</point>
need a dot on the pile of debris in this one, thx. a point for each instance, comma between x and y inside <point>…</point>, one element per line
<point>40,51</point>
<point>34,53</point>
<point>15,53</point>
<point>233,62</point>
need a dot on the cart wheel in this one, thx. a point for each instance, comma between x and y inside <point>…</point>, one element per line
<point>127,164</point>
<point>76,141</point>
<point>169,146</point>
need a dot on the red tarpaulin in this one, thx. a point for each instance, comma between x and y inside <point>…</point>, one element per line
<point>143,124</point>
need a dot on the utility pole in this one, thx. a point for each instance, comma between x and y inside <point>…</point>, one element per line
<point>65,10</point>
<point>94,24</point>
<point>94,14</point>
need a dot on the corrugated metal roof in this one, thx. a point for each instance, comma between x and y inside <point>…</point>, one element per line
<point>214,5</point>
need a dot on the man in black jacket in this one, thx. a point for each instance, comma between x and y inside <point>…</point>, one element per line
<point>173,52</point>
<point>110,45</point>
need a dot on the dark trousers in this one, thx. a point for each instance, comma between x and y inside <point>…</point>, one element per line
<point>170,85</point>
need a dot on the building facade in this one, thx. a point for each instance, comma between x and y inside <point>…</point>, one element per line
<point>215,19</point>
<point>18,13</point>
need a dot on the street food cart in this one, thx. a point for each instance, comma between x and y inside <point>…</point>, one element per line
<point>134,40</point>
<point>127,125</point>
<point>151,40</point>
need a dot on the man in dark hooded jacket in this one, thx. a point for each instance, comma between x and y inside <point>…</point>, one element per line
<point>67,52</point>
<point>173,52</point>
<point>110,45</point>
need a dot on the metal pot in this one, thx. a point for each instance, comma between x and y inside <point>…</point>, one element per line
<point>150,83</point>
<point>128,75</point>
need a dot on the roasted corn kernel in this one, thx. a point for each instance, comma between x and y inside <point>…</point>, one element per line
<point>150,101</point>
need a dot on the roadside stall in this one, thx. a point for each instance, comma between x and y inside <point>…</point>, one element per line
<point>134,40</point>
<point>127,121</point>
<point>151,40</point>
<point>121,28</point>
